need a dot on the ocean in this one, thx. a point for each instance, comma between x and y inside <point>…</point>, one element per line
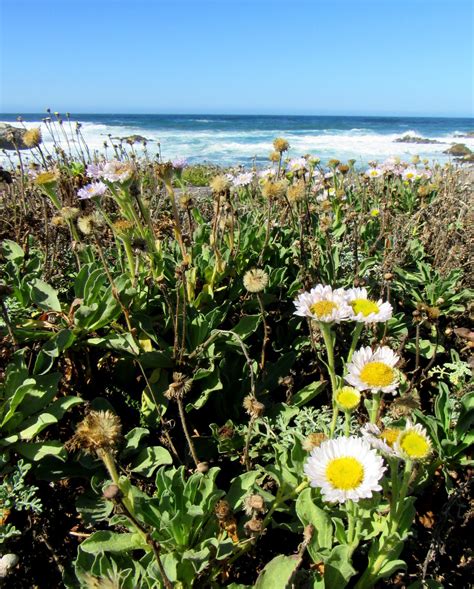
<point>247,139</point>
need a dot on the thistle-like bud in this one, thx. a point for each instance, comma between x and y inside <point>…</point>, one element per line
<point>32,137</point>
<point>281,145</point>
<point>253,407</point>
<point>219,184</point>
<point>255,280</point>
<point>253,527</point>
<point>99,430</point>
<point>179,387</point>
<point>254,504</point>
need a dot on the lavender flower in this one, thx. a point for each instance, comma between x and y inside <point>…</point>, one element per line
<point>180,163</point>
<point>243,179</point>
<point>91,190</point>
<point>297,163</point>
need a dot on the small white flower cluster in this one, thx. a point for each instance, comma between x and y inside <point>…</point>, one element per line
<point>111,171</point>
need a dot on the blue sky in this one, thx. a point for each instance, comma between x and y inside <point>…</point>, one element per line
<point>238,56</point>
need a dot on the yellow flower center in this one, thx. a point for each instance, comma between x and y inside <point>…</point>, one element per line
<point>348,398</point>
<point>323,308</point>
<point>377,374</point>
<point>390,435</point>
<point>364,306</point>
<point>345,473</point>
<point>415,445</point>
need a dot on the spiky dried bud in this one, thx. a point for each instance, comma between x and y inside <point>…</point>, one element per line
<point>253,527</point>
<point>313,441</point>
<point>254,504</point>
<point>255,280</point>
<point>58,221</point>
<point>296,191</point>
<point>123,226</point>
<point>99,430</point>
<point>222,509</point>
<point>343,168</point>
<point>281,145</point>
<point>333,163</point>
<point>179,387</point>
<point>274,156</point>
<point>32,137</point>
<point>85,224</point>
<point>164,172</point>
<point>219,184</point>
<point>69,213</point>
<point>253,407</point>
<point>46,178</point>
<point>272,189</point>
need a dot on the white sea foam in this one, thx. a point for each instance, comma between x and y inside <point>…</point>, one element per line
<point>234,146</point>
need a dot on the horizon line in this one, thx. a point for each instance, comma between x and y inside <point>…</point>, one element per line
<point>236,114</point>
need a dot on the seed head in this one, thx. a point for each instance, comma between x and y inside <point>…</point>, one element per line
<point>281,144</point>
<point>99,430</point>
<point>272,189</point>
<point>69,213</point>
<point>219,184</point>
<point>85,224</point>
<point>274,156</point>
<point>253,527</point>
<point>253,407</point>
<point>313,441</point>
<point>46,178</point>
<point>296,191</point>
<point>254,504</point>
<point>179,387</point>
<point>255,280</point>
<point>32,138</point>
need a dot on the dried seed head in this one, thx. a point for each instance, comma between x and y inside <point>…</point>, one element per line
<point>32,138</point>
<point>281,145</point>
<point>313,441</point>
<point>253,527</point>
<point>296,191</point>
<point>85,224</point>
<point>272,189</point>
<point>99,430</point>
<point>253,407</point>
<point>58,221</point>
<point>123,226</point>
<point>274,156</point>
<point>255,280</point>
<point>164,171</point>
<point>46,178</point>
<point>69,213</point>
<point>222,509</point>
<point>219,184</point>
<point>179,387</point>
<point>254,504</point>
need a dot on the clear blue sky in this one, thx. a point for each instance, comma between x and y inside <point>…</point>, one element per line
<point>238,56</point>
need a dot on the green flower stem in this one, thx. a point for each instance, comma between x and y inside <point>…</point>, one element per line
<point>281,498</point>
<point>397,508</point>
<point>355,340</point>
<point>329,343</point>
<point>374,408</point>
<point>347,423</point>
<point>130,259</point>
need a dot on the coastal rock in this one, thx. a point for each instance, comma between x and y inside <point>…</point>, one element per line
<point>11,137</point>
<point>415,139</point>
<point>458,150</point>
<point>133,139</point>
<point>467,135</point>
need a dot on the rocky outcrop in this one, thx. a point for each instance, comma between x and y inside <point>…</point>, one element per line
<point>133,139</point>
<point>458,150</point>
<point>11,137</point>
<point>414,139</point>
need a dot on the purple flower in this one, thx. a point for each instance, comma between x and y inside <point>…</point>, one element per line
<point>95,170</point>
<point>91,190</point>
<point>179,163</point>
<point>243,179</point>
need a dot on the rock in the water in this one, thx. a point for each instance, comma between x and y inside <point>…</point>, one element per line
<point>468,134</point>
<point>133,139</point>
<point>11,137</point>
<point>458,150</point>
<point>414,139</point>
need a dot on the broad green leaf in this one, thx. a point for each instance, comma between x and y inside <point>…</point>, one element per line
<point>44,295</point>
<point>104,541</point>
<point>307,393</point>
<point>35,451</point>
<point>247,325</point>
<point>149,459</point>
<point>338,567</point>
<point>309,513</point>
<point>277,573</point>
<point>12,251</point>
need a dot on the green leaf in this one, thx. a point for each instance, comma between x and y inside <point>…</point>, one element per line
<point>278,572</point>
<point>307,393</point>
<point>338,567</point>
<point>35,451</point>
<point>12,251</point>
<point>44,295</point>
<point>309,513</point>
<point>247,325</point>
<point>240,487</point>
<point>133,439</point>
<point>150,459</point>
<point>111,542</point>
<point>119,342</point>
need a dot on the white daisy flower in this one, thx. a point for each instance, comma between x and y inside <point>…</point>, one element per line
<point>413,443</point>
<point>323,304</point>
<point>410,174</point>
<point>345,468</point>
<point>365,310</point>
<point>382,440</point>
<point>115,171</point>
<point>373,370</point>
<point>374,172</point>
